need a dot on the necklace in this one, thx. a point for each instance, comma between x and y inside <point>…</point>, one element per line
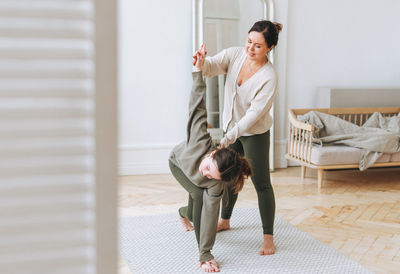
<point>256,67</point>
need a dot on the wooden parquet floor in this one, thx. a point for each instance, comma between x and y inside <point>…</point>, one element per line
<point>357,213</point>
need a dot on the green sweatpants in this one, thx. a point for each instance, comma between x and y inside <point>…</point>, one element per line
<point>256,149</point>
<point>195,204</point>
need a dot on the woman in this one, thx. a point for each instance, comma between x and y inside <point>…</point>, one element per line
<point>249,92</point>
<point>204,171</point>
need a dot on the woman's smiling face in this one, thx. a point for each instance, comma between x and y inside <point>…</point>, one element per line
<point>256,47</point>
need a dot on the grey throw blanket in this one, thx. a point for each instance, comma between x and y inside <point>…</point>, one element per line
<point>378,135</point>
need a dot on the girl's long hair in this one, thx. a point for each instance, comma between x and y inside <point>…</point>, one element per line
<point>233,167</point>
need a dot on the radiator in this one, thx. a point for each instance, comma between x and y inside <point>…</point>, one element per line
<point>358,97</point>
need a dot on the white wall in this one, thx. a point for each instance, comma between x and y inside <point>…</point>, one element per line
<point>249,14</point>
<point>280,105</point>
<point>341,43</point>
<point>155,48</point>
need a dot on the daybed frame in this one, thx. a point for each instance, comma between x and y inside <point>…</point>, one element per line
<point>300,150</point>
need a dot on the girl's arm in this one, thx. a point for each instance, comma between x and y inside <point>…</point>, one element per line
<point>209,220</point>
<point>196,129</point>
<point>197,133</point>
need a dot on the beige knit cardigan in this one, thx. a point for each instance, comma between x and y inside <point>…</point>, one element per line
<point>246,107</point>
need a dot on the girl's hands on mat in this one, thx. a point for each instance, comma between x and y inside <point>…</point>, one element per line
<point>210,266</point>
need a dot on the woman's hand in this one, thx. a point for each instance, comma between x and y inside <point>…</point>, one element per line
<point>199,56</point>
<point>210,266</point>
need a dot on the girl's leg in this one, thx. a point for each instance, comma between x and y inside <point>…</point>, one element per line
<point>187,215</point>
<point>195,203</point>
<point>256,148</point>
<point>229,198</point>
<point>187,211</point>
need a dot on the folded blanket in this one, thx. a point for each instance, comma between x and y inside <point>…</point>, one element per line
<point>378,135</point>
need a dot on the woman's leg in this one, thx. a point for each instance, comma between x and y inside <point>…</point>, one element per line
<point>195,203</point>
<point>256,148</point>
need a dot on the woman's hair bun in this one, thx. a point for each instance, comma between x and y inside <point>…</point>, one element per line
<point>278,26</point>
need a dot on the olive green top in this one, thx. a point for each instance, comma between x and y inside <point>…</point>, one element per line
<point>188,155</point>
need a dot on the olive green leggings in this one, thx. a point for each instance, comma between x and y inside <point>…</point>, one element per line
<point>256,149</point>
<point>195,204</point>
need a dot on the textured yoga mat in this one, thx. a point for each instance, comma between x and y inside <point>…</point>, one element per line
<point>157,244</point>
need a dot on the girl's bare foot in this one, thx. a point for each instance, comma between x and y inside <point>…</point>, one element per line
<point>210,266</point>
<point>223,224</point>
<point>268,247</point>
<point>187,226</point>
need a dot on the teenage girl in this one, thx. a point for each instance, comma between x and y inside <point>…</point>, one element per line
<point>205,172</point>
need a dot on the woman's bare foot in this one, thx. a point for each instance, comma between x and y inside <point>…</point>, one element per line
<point>223,224</point>
<point>187,226</point>
<point>268,247</point>
<point>210,266</point>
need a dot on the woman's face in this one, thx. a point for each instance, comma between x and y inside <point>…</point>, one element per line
<point>256,47</point>
<point>209,168</point>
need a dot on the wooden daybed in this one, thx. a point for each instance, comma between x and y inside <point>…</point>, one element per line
<point>301,150</point>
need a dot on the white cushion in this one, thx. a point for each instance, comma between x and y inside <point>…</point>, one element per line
<point>339,155</point>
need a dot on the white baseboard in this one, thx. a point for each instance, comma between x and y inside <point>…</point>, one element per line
<point>153,158</point>
<point>280,151</point>
<point>144,159</point>
<point>143,168</point>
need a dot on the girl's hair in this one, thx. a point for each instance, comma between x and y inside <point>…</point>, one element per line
<point>232,167</point>
<point>270,31</point>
